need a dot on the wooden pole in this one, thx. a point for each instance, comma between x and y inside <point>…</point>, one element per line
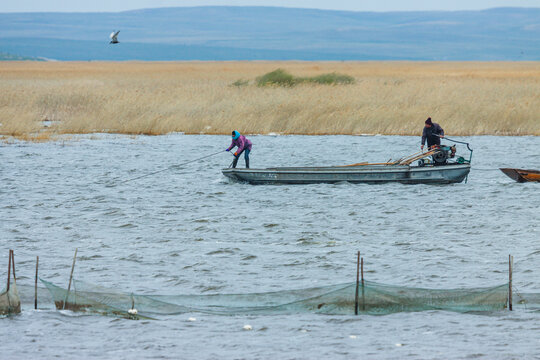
<point>357,284</point>
<point>363,295</point>
<point>70,278</point>
<point>9,270</point>
<point>13,265</point>
<point>510,266</point>
<point>35,284</point>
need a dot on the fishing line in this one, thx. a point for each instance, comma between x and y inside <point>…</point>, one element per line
<point>170,167</point>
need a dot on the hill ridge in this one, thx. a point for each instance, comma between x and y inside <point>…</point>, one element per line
<point>276,33</point>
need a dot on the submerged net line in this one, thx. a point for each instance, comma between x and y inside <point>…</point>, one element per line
<point>374,299</point>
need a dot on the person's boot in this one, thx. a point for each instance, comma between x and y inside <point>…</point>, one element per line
<point>235,161</point>
<point>247,163</point>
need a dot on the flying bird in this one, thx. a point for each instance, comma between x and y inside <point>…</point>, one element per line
<point>114,37</point>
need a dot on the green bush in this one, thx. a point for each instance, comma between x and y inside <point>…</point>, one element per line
<point>280,77</point>
<point>331,79</point>
<point>277,77</point>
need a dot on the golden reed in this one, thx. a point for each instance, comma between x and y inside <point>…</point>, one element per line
<point>43,99</point>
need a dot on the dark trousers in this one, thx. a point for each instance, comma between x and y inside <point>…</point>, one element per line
<point>433,140</point>
<point>246,158</point>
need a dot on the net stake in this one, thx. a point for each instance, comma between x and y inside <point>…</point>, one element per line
<point>363,296</point>
<point>357,284</point>
<point>13,265</point>
<point>70,278</point>
<point>35,284</point>
<point>9,270</point>
<point>510,266</point>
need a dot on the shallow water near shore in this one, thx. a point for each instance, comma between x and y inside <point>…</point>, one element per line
<point>191,231</point>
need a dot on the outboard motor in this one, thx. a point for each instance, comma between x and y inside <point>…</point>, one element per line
<point>443,154</point>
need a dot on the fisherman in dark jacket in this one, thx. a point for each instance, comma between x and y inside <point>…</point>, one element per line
<point>433,133</point>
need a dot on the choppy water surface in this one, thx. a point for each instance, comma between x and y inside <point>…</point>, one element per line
<point>190,231</point>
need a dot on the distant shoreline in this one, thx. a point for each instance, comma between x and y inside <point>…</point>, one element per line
<point>44,99</point>
<point>275,33</point>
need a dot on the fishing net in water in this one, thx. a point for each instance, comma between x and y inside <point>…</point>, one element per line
<point>27,294</point>
<point>374,299</point>
<point>9,301</point>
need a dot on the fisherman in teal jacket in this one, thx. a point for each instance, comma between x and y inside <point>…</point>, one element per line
<point>243,145</point>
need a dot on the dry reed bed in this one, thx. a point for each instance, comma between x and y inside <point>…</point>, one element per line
<point>470,98</point>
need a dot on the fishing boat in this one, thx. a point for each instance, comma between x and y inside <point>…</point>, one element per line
<point>439,165</point>
<point>522,175</point>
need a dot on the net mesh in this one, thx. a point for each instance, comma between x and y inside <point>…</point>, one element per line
<point>9,301</point>
<point>374,298</point>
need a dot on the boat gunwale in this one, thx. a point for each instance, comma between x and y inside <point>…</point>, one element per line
<point>528,171</point>
<point>359,169</point>
<point>521,175</point>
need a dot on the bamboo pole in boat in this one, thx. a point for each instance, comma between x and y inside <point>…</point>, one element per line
<point>411,159</point>
<point>510,266</point>
<point>35,284</point>
<point>363,295</point>
<point>357,284</point>
<point>9,271</point>
<point>70,278</point>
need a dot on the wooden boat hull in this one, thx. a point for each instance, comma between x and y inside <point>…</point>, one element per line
<point>371,174</point>
<point>522,175</point>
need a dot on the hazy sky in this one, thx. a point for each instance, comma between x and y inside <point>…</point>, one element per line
<point>355,5</point>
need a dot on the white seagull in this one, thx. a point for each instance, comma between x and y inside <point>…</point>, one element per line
<point>114,37</point>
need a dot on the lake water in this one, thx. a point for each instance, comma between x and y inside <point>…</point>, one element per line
<point>191,231</point>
